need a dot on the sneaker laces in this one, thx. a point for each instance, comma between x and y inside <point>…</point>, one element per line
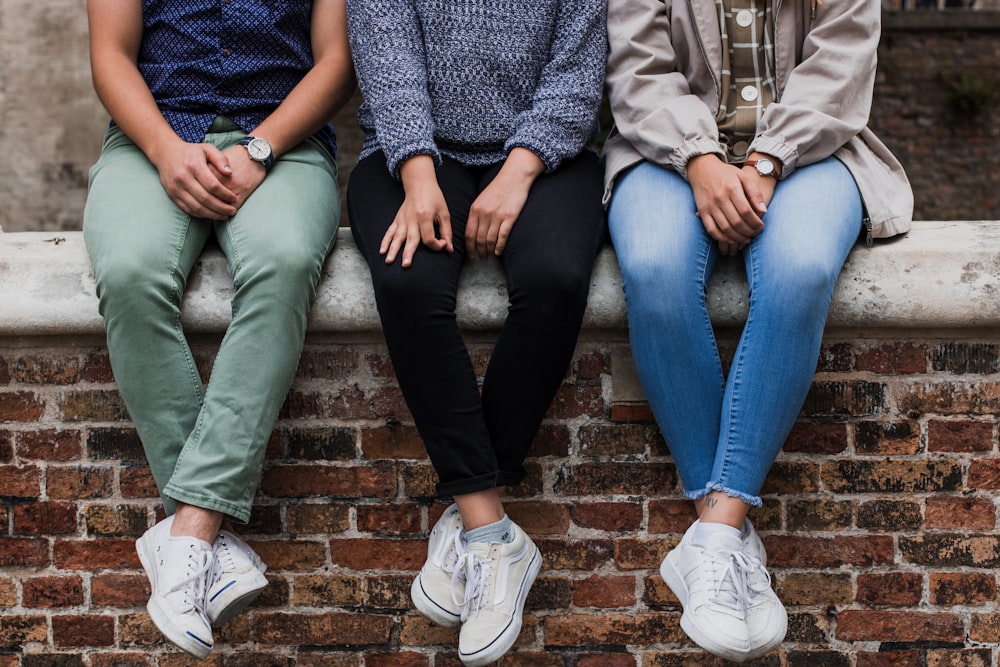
<point>757,576</point>
<point>223,560</point>
<point>727,579</point>
<point>193,585</point>
<point>478,574</point>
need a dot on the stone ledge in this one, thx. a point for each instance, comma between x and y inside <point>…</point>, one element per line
<point>942,276</point>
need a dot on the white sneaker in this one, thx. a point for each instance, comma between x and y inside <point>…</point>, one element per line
<point>237,577</point>
<point>766,616</point>
<point>439,588</point>
<point>710,582</point>
<point>178,569</point>
<point>498,578</point>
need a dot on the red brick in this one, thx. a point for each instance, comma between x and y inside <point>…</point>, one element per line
<point>540,518</point>
<point>887,438</point>
<point>115,520</point>
<point>327,443</point>
<point>24,552</point>
<point>792,477</point>
<point>328,363</point>
<point>962,588</point>
<point>900,658</point>
<point>854,398</point>
<point>76,631</point>
<point>4,371</point>
<point>329,629</point>
<point>120,659</point>
<point>604,592</point>
<point>19,482</point>
<point>963,357</point>
<point>898,476</point>
<point>617,439</point>
<point>401,659</point>
<point>318,519</point>
<point>815,588</point>
<point>16,630</point>
<point>613,629</point>
<point>617,478</point>
<point>119,590</point>
<point>640,553</point>
<point>631,412</point>
<point>20,406</point>
<point>46,518</point>
<point>970,513</point>
<point>985,628</point>
<point>591,366</point>
<point>79,482</point>
<point>47,592</point>
<point>605,660</point>
<point>892,359</point>
<point>291,554</point>
<point>8,593</point>
<point>96,368</point>
<point>6,447</point>
<point>376,480</point>
<point>899,626</point>
<point>48,445</point>
<point>324,591</point>
<point>950,657</point>
<point>890,515</point>
<point>608,516</point>
<point>378,554</point>
<point>890,589</point>
<point>391,592</point>
<point>395,441</point>
<point>816,552</point>
<point>93,405</point>
<point>105,554</point>
<point>137,482</point>
<point>951,398</point>
<point>817,438</point>
<point>550,440</point>
<point>584,555</point>
<point>389,519</point>
<point>826,515</point>
<point>948,550</point>
<point>959,436</point>
<point>571,401</point>
<point>32,369</point>
<point>836,357</point>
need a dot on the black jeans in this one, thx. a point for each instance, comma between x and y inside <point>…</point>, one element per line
<point>474,441</point>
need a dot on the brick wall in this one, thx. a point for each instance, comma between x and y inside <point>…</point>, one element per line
<point>879,518</point>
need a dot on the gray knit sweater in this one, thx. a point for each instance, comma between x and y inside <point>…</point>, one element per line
<point>472,79</point>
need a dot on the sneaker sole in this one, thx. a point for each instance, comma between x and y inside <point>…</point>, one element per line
<point>505,640</point>
<point>431,609</point>
<point>672,576</point>
<point>230,601</point>
<point>179,637</point>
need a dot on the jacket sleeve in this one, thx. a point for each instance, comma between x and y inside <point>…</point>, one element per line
<point>827,98</point>
<point>389,61</point>
<point>565,102</point>
<point>653,106</point>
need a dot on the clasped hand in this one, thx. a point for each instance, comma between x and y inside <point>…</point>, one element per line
<point>730,201</point>
<point>206,182</point>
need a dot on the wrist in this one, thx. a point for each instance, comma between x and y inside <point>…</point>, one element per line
<point>764,165</point>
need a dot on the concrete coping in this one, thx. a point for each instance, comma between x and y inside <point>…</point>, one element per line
<point>942,276</point>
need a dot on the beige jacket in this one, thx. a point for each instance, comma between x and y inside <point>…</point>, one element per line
<point>664,77</point>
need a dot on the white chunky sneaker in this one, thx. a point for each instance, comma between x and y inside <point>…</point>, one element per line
<point>178,569</point>
<point>237,577</point>
<point>439,588</point>
<point>767,619</point>
<point>498,578</point>
<point>710,582</point>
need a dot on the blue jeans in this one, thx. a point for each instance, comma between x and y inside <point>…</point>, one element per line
<point>724,432</point>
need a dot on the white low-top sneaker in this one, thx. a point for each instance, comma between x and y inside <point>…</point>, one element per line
<point>498,578</point>
<point>237,578</point>
<point>439,588</point>
<point>178,570</point>
<point>767,619</point>
<point>710,583</point>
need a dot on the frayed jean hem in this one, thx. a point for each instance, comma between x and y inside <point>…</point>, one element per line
<point>749,499</point>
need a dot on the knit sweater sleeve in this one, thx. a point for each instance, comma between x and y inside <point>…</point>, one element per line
<point>564,107</point>
<point>389,61</point>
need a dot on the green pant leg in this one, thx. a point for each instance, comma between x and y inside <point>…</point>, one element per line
<point>142,248</point>
<point>276,246</point>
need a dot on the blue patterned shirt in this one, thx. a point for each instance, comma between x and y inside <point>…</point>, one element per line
<point>234,58</point>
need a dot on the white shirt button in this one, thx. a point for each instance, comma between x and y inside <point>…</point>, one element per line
<point>744,18</point>
<point>749,93</point>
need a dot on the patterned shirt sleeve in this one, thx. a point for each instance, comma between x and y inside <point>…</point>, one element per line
<point>389,61</point>
<point>562,116</point>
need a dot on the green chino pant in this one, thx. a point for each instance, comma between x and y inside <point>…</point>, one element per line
<point>205,445</point>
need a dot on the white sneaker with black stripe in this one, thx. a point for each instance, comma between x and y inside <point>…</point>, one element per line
<point>498,578</point>
<point>439,588</point>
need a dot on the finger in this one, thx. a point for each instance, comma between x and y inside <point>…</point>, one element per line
<point>444,232</point>
<point>218,159</point>
<point>410,249</point>
<point>471,229</point>
<point>482,240</point>
<point>387,239</point>
<point>502,235</point>
<point>492,238</point>
<point>395,243</point>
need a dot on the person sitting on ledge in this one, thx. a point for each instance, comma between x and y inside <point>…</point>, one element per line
<point>219,129</point>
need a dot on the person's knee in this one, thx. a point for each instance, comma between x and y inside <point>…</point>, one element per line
<point>131,277</point>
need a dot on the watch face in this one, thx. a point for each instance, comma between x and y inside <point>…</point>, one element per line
<point>259,149</point>
<point>765,167</point>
